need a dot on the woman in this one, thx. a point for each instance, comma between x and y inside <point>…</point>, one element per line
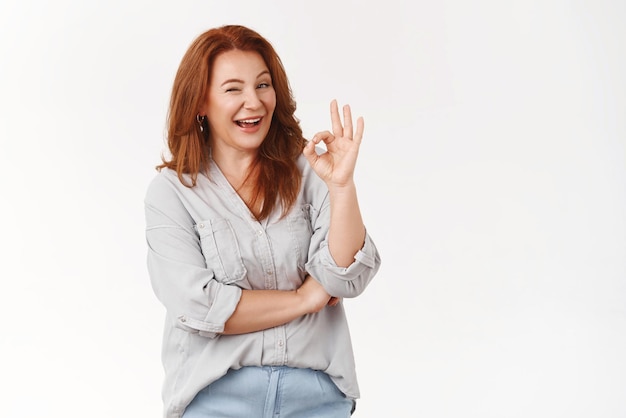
<point>254,237</point>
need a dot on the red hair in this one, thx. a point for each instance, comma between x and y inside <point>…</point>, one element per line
<point>278,178</point>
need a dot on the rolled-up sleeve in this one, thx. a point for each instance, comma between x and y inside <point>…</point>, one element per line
<point>177,268</point>
<point>346,282</point>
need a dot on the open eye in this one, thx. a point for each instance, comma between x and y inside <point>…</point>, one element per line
<point>263,85</point>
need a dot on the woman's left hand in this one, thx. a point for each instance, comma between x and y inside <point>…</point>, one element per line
<point>336,165</point>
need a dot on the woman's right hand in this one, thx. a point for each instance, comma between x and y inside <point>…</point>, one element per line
<point>313,295</point>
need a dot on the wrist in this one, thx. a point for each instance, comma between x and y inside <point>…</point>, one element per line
<point>348,187</point>
<point>301,302</point>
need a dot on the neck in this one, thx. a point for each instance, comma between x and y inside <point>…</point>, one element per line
<point>238,167</point>
<point>241,172</point>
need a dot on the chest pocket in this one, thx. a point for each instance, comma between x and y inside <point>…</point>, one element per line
<point>221,250</point>
<point>300,233</point>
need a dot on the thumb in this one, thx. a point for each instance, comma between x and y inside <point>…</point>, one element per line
<point>309,152</point>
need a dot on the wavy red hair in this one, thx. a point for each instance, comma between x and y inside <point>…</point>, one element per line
<point>190,147</point>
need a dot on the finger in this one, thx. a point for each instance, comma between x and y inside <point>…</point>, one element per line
<point>309,152</point>
<point>360,126</point>
<point>347,122</point>
<point>325,136</point>
<point>335,119</point>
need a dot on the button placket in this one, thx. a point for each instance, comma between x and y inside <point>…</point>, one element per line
<point>265,257</point>
<point>281,345</point>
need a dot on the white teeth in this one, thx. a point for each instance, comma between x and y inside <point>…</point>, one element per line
<point>250,120</point>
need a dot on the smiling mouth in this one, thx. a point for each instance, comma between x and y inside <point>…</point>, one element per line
<point>246,123</point>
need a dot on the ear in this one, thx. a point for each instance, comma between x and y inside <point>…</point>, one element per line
<point>202,110</point>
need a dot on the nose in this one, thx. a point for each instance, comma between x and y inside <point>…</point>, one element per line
<point>251,99</point>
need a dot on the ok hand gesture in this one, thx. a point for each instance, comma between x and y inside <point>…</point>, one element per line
<point>336,165</point>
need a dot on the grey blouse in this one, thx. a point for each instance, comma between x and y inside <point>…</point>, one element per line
<point>204,247</point>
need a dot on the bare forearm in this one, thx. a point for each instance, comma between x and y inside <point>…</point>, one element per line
<point>262,309</point>
<point>347,232</point>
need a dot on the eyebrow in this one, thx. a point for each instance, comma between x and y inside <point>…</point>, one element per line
<point>236,80</point>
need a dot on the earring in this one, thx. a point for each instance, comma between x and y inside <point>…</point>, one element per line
<point>200,120</point>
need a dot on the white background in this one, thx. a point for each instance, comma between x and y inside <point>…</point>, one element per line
<point>492,177</point>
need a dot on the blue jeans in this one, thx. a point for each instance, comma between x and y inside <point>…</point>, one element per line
<point>271,392</point>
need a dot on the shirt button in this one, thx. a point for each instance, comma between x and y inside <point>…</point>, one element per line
<point>280,343</point>
<point>259,232</point>
<point>200,225</point>
<point>269,272</point>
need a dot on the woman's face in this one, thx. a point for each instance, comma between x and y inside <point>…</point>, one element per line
<point>240,102</point>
